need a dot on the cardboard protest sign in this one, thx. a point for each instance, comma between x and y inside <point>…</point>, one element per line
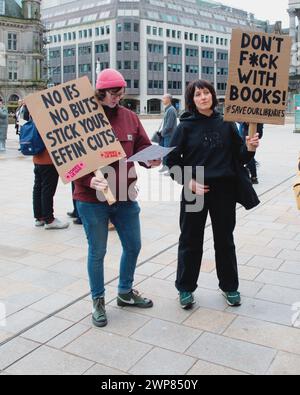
<point>257,87</point>
<point>74,128</point>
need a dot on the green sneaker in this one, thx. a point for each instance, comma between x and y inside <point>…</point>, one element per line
<point>186,300</point>
<point>232,298</point>
<point>133,299</point>
<point>99,315</point>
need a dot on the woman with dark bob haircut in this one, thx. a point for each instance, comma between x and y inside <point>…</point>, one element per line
<point>204,140</point>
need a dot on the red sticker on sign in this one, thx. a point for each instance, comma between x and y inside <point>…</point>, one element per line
<point>76,169</point>
<point>111,154</point>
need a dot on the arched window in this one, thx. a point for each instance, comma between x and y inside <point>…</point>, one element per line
<point>14,98</point>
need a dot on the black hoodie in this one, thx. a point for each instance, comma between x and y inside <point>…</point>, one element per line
<point>210,142</point>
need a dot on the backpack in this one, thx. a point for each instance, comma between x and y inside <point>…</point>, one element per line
<point>30,140</point>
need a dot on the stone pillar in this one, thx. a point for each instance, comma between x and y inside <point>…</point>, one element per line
<point>292,24</point>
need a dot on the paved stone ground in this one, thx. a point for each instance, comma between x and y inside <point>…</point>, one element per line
<point>44,288</point>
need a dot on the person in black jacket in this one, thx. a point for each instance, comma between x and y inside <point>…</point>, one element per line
<point>204,139</point>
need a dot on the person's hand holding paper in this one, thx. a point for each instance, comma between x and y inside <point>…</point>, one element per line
<point>150,155</point>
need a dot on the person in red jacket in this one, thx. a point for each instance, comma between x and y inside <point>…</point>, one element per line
<point>96,213</point>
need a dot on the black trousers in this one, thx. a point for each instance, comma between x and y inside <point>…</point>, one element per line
<point>45,184</point>
<point>220,203</point>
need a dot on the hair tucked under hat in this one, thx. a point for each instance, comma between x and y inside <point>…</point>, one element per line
<point>110,78</point>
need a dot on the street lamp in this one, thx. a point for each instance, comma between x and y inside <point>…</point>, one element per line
<point>98,67</point>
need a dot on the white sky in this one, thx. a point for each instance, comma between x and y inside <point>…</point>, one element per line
<point>272,10</point>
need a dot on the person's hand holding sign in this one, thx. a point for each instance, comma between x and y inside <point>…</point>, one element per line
<point>197,188</point>
<point>99,183</point>
<point>154,163</point>
<point>252,142</point>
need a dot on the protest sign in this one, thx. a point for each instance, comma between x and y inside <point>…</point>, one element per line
<point>74,128</point>
<point>257,87</point>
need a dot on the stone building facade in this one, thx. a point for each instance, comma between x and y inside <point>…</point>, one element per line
<point>21,50</point>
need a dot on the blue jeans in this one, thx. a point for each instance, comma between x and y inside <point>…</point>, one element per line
<point>165,142</point>
<point>125,217</point>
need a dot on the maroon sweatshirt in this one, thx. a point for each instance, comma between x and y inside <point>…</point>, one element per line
<point>133,138</point>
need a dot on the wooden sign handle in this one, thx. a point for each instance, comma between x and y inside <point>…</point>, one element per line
<point>252,129</point>
<point>107,192</point>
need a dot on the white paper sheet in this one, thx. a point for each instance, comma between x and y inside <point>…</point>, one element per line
<point>150,153</point>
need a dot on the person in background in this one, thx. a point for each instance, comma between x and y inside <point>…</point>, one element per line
<point>168,127</point>
<point>74,214</point>
<point>45,184</point>
<point>18,115</point>
<point>125,213</point>
<point>204,139</point>
<point>252,165</point>
<point>3,126</point>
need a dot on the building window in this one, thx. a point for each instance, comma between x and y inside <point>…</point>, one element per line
<point>221,86</point>
<point>177,85</point>
<point>68,53</point>
<point>155,84</point>
<point>191,52</point>
<point>174,51</point>
<point>128,83</point>
<point>155,66</point>
<point>85,68</point>
<point>136,46</point>
<point>208,70</point>
<point>127,46</point>
<point>55,54</point>
<point>175,68</point>
<point>69,69</point>
<point>136,84</point>
<point>84,51</point>
<point>136,27</point>
<point>192,69</point>
<point>119,65</point>
<point>119,46</point>
<point>104,65</point>
<point>160,31</point>
<point>155,48</point>
<point>107,28</point>
<point>127,65</point>
<point>101,48</point>
<point>135,65</point>
<point>12,42</point>
<point>148,29</point>
<point>119,27</point>
<point>12,70</point>
<point>222,71</point>
<point>127,27</point>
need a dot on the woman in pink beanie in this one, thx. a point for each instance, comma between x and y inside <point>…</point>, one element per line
<point>124,214</point>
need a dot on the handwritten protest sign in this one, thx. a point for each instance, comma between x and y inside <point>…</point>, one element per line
<point>74,128</point>
<point>257,88</point>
